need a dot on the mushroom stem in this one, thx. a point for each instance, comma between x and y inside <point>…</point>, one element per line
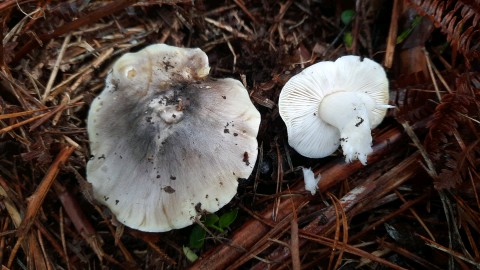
<point>350,112</point>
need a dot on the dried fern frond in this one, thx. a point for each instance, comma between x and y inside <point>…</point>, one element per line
<point>458,19</point>
<point>452,140</point>
<point>413,97</point>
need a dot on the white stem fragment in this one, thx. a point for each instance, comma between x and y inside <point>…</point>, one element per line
<point>311,181</point>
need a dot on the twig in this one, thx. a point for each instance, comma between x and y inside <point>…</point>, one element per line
<point>356,26</point>
<point>42,248</point>
<point>294,249</point>
<point>34,252</point>
<point>8,203</point>
<point>19,124</point>
<point>349,249</point>
<point>232,51</point>
<point>128,256</point>
<point>52,240</point>
<point>161,253</point>
<point>430,167</point>
<point>391,215</point>
<point>51,113</point>
<point>430,71</point>
<point>81,21</point>
<point>337,204</point>
<point>78,218</point>
<point>423,262</point>
<point>82,72</point>
<point>62,237</point>
<point>414,213</point>
<point>278,188</point>
<point>56,67</point>
<point>392,34</point>
<point>18,114</point>
<point>227,28</point>
<point>241,4</point>
<point>449,251</point>
<point>35,201</point>
<point>262,244</point>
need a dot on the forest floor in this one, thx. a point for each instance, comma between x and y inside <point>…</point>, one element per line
<point>416,205</point>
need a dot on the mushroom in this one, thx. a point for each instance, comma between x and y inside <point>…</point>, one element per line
<point>167,143</point>
<point>335,103</point>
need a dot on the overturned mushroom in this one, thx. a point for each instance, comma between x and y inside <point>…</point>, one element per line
<point>335,103</point>
<point>168,143</point>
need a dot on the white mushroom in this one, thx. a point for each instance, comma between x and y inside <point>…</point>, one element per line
<point>335,103</point>
<point>167,143</point>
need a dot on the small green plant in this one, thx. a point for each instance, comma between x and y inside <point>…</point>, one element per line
<point>348,39</point>
<point>198,234</point>
<point>197,237</point>
<point>347,18</point>
<point>190,254</point>
<point>402,36</point>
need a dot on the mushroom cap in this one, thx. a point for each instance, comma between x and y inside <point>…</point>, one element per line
<point>166,146</point>
<point>301,96</point>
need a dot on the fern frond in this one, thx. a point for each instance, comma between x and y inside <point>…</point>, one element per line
<point>411,97</point>
<point>452,140</point>
<point>459,20</point>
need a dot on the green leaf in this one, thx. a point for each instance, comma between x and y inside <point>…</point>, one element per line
<point>197,236</point>
<point>348,39</point>
<point>210,220</point>
<point>347,16</point>
<point>191,256</point>
<point>404,35</point>
<point>227,218</point>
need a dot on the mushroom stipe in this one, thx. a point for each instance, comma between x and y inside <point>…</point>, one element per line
<point>159,115</point>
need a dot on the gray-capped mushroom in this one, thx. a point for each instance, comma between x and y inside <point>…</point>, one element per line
<point>335,103</point>
<point>167,142</point>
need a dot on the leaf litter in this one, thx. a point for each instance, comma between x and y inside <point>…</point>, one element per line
<point>416,205</point>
